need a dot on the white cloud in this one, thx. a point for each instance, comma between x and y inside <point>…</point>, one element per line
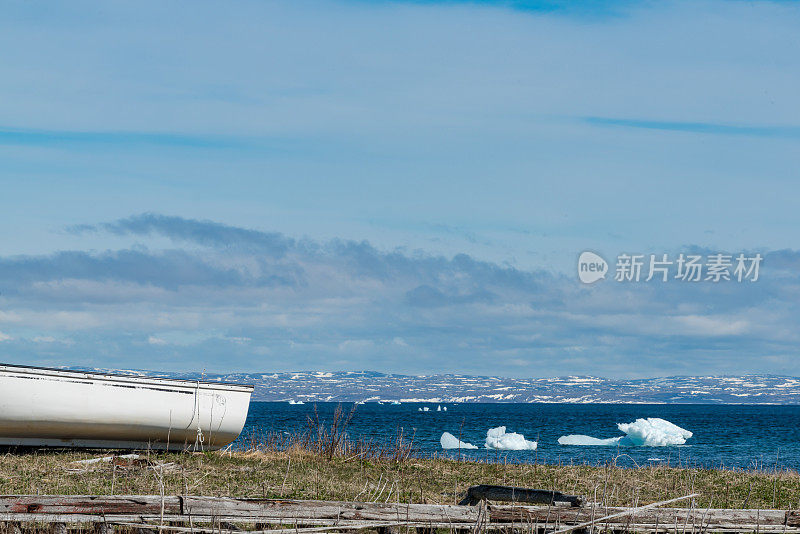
<point>353,303</point>
<point>355,345</point>
<point>5,337</point>
<point>713,326</point>
<point>53,340</point>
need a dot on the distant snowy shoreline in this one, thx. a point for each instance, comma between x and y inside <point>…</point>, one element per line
<point>370,386</point>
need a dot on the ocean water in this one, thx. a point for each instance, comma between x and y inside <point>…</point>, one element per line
<point>750,437</point>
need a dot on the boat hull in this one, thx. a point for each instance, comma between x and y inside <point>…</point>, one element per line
<point>55,408</point>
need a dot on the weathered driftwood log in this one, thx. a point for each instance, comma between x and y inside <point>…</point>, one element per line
<point>476,494</point>
<point>89,504</point>
<point>172,521</point>
<point>295,509</point>
<point>662,516</point>
<point>51,507</point>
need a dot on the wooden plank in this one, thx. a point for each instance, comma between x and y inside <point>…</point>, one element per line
<point>350,526</point>
<point>71,518</point>
<point>155,520</point>
<point>287,508</point>
<point>625,513</point>
<point>476,494</point>
<point>662,516</point>
<point>212,524</point>
<point>88,504</point>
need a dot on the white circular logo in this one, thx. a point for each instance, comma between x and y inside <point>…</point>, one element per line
<point>591,267</point>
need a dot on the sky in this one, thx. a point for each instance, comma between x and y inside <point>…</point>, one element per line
<point>400,186</point>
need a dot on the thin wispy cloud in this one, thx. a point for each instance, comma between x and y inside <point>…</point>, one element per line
<point>208,233</point>
<point>792,132</point>
<point>582,8</point>
<point>66,138</point>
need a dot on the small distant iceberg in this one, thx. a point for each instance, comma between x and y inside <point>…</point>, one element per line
<point>439,408</point>
<point>449,441</point>
<point>296,402</point>
<point>498,439</point>
<point>424,409</point>
<point>649,432</point>
<point>396,403</point>
<point>577,439</point>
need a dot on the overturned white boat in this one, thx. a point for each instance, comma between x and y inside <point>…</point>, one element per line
<point>57,408</point>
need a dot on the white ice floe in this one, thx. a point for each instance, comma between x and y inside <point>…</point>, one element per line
<point>424,409</point>
<point>449,441</point>
<point>498,438</point>
<point>577,439</point>
<point>439,408</point>
<point>649,432</point>
<point>654,432</point>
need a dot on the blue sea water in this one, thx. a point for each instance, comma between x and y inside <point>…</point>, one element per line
<point>749,437</point>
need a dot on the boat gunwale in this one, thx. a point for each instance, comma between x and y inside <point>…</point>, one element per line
<point>178,382</point>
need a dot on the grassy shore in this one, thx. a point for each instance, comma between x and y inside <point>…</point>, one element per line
<point>304,472</point>
<point>323,463</point>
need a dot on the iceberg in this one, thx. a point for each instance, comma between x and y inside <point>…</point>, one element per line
<point>654,432</point>
<point>499,439</point>
<point>449,441</point>
<point>644,432</point>
<point>577,439</point>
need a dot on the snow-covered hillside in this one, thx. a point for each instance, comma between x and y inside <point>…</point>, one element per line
<point>373,386</point>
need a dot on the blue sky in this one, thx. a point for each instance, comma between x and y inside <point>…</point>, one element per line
<point>399,186</point>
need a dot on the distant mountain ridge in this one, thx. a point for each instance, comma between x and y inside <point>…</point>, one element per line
<point>371,386</point>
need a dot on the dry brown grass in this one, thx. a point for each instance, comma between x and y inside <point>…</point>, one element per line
<point>297,471</point>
